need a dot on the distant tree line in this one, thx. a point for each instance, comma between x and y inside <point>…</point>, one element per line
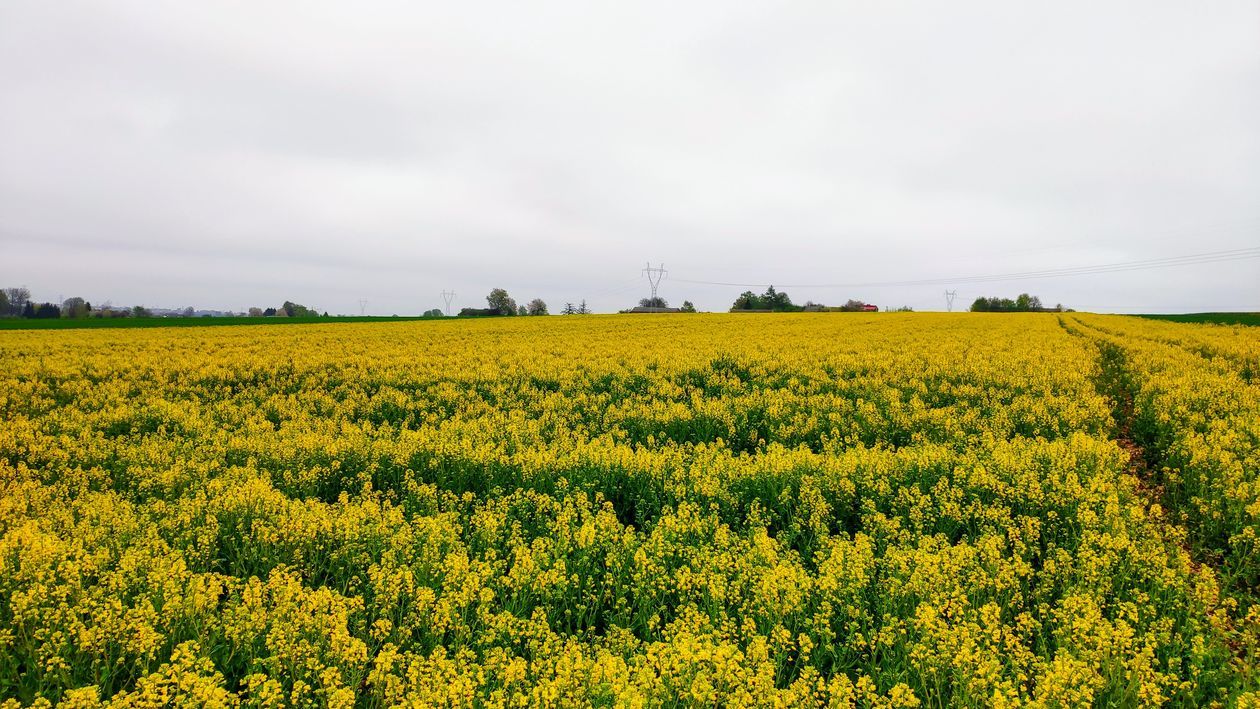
<point>779,302</point>
<point>773,300</point>
<point>288,310</point>
<point>1023,303</point>
<point>17,303</point>
<point>500,304</point>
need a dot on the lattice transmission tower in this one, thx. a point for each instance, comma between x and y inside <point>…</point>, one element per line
<point>654,276</point>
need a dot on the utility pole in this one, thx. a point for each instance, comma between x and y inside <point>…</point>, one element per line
<point>448,296</point>
<point>362,306</point>
<point>949,300</point>
<point>654,276</point>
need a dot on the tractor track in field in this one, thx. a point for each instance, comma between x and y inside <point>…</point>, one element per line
<point>1145,465</point>
<point>1113,384</point>
<point>1142,464</point>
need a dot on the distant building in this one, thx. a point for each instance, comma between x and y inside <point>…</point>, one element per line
<point>641,309</point>
<point>868,308</point>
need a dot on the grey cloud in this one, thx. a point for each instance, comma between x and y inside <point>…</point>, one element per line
<point>236,153</point>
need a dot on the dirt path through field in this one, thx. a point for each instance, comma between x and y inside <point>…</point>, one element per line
<point>1145,464</point>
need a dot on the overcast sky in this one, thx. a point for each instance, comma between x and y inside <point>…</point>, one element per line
<point>228,154</point>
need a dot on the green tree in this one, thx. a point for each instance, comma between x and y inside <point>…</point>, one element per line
<point>294,310</point>
<point>536,307</point>
<point>776,300</point>
<point>17,299</point>
<point>74,307</point>
<point>688,307</point>
<point>501,302</point>
<point>1022,303</point>
<point>772,299</point>
<point>747,300</point>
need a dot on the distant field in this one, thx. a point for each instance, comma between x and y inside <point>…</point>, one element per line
<point>68,324</point>
<point>1215,318</point>
<point>717,510</point>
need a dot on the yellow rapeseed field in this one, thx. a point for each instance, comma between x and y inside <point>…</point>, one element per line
<point>874,510</point>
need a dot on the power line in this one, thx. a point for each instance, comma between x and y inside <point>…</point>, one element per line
<point>1168,262</point>
<point>363,306</point>
<point>1189,259</point>
<point>1181,232</point>
<point>617,289</point>
<point>949,300</point>
<point>448,296</point>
